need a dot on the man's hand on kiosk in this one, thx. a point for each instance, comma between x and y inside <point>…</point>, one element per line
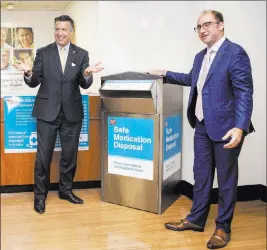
<point>157,72</point>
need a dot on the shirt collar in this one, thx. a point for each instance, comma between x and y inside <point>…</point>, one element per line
<point>215,47</point>
<point>67,47</point>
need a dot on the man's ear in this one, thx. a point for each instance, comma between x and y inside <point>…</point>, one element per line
<point>72,37</point>
<point>221,26</point>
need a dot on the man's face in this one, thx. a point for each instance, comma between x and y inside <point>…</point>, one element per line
<point>3,37</point>
<point>25,57</point>
<point>213,30</point>
<point>63,33</point>
<point>25,37</point>
<point>4,59</point>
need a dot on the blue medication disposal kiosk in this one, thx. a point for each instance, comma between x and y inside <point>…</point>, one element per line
<point>141,129</point>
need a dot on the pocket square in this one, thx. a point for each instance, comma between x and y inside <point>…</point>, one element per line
<point>73,64</point>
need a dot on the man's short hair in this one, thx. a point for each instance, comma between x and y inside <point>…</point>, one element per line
<point>65,18</point>
<point>218,15</point>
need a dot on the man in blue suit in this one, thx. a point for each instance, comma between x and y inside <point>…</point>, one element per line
<point>220,108</point>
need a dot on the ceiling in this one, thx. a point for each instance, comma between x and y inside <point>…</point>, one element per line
<point>35,5</point>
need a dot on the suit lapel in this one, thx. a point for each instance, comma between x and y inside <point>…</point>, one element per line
<point>217,59</point>
<point>56,58</point>
<point>70,59</point>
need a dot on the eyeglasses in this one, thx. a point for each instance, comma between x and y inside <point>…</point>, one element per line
<point>204,26</point>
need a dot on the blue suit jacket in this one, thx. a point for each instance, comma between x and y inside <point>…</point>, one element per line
<point>227,92</point>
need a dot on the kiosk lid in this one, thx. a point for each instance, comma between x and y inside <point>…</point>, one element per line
<point>129,75</point>
<point>131,85</point>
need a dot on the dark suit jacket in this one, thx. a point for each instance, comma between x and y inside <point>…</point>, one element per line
<point>56,88</point>
<point>227,92</point>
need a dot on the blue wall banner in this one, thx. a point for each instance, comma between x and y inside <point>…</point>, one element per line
<point>131,147</point>
<point>172,145</point>
<point>20,133</point>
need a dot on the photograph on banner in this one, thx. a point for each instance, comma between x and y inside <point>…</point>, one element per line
<point>24,38</point>
<point>6,38</point>
<point>24,56</point>
<point>20,133</point>
<point>17,43</point>
<point>6,61</point>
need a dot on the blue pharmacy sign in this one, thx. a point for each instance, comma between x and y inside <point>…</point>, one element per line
<point>172,145</point>
<point>20,134</point>
<point>131,146</point>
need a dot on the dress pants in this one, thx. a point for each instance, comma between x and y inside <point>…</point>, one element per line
<point>46,137</point>
<point>208,155</point>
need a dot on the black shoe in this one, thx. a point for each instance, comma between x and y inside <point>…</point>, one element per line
<point>39,206</point>
<point>71,198</point>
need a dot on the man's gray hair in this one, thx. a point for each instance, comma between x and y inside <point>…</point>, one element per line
<point>65,18</point>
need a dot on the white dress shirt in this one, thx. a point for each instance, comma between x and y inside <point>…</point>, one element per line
<point>211,52</point>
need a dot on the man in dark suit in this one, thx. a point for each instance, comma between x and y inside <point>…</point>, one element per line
<point>60,68</point>
<point>220,109</point>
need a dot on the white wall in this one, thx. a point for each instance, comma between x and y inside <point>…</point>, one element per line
<point>139,36</point>
<point>153,35</point>
<point>42,23</point>
<point>84,14</point>
<point>135,35</point>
